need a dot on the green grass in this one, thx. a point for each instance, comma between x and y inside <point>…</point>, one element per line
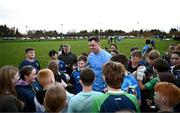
<point>12,53</point>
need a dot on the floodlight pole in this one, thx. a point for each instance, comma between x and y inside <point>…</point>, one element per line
<point>62,30</point>
<point>26,31</point>
<point>99,30</point>
<point>138,29</point>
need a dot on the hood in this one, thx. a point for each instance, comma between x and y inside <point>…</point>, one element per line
<point>21,82</point>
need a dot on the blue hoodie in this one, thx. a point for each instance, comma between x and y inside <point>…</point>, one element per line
<point>26,93</point>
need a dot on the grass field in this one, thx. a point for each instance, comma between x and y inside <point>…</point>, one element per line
<point>12,53</point>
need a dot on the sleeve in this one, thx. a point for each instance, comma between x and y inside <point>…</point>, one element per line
<point>134,100</point>
<point>70,107</point>
<point>95,106</point>
<point>97,102</point>
<point>150,85</point>
<point>75,59</point>
<point>138,91</point>
<point>12,104</point>
<point>38,65</point>
<point>21,65</point>
<point>71,81</point>
<point>125,85</point>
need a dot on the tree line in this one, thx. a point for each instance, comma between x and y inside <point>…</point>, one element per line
<point>5,31</point>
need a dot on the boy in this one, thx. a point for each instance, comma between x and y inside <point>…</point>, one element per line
<point>54,56</point>
<point>46,79</point>
<point>115,99</point>
<point>85,97</point>
<point>167,95</point>
<point>75,76</point>
<point>135,61</point>
<point>30,59</point>
<point>130,84</point>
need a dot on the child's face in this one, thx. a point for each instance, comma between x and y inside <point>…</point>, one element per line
<point>175,59</point>
<point>81,64</point>
<point>171,49</point>
<point>112,47</point>
<point>54,57</point>
<point>31,77</point>
<point>135,60</point>
<point>30,54</point>
<point>149,61</point>
<point>15,79</point>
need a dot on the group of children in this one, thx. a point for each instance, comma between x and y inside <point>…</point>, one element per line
<point>145,82</point>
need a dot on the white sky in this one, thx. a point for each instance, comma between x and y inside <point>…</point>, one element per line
<point>90,14</point>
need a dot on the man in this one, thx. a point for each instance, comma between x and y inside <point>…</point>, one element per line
<point>96,59</point>
<point>30,59</point>
<point>68,57</point>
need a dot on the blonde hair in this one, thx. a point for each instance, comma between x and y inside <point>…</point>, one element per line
<point>44,75</point>
<point>169,91</point>
<point>55,99</point>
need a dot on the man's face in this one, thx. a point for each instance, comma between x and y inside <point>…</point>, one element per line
<point>30,54</point>
<point>66,50</point>
<point>94,46</point>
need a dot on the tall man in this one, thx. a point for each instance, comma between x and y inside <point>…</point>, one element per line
<point>96,59</point>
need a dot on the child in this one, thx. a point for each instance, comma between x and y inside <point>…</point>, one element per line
<point>75,76</point>
<point>30,59</point>
<point>8,100</point>
<point>25,89</point>
<point>85,97</point>
<point>175,66</point>
<point>115,99</point>
<point>46,79</point>
<point>135,62</point>
<point>159,66</point>
<point>130,84</point>
<point>166,96</point>
<point>55,99</point>
<point>54,56</point>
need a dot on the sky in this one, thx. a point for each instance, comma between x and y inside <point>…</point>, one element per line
<point>76,15</point>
